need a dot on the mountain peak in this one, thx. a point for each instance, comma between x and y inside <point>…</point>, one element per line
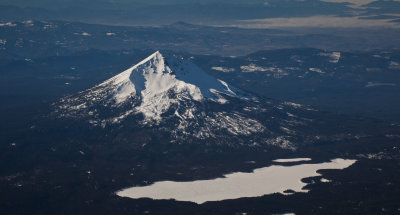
<point>158,82</point>
<point>172,95</point>
<point>159,73</point>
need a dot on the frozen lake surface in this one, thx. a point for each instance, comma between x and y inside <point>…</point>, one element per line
<point>263,181</point>
<point>291,160</point>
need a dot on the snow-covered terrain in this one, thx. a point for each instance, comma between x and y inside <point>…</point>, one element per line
<point>172,94</point>
<point>9,24</point>
<point>334,56</point>
<point>268,180</point>
<point>394,65</point>
<point>152,83</point>
<point>316,70</point>
<point>254,68</point>
<point>271,70</point>
<point>223,69</point>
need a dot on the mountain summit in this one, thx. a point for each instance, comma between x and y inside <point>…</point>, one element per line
<point>154,85</point>
<point>170,93</point>
<point>152,78</point>
<point>156,77</point>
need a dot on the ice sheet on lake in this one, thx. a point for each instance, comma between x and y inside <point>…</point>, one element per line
<point>263,181</point>
<point>291,160</point>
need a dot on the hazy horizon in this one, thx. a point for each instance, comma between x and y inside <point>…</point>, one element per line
<point>239,13</point>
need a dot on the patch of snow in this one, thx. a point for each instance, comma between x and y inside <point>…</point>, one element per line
<point>78,107</point>
<point>373,156</point>
<point>324,180</point>
<point>334,56</point>
<point>222,69</point>
<point>253,68</point>
<point>28,23</point>
<point>50,26</point>
<point>394,65</point>
<point>316,70</point>
<point>276,72</point>
<point>287,130</point>
<point>250,162</point>
<point>293,104</point>
<point>260,182</point>
<point>290,115</point>
<point>281,142</point>
<point>9,24</point>
<point>227,87</point>
<point>3,43</point>
<point>250,109</point>
<point>296,59</point>
<point>86,34</point>
<point>234,123</point>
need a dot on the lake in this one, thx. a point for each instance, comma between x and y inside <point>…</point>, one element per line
<point>260,182</point>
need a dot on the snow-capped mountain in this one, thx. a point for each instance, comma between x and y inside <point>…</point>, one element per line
<point>173,95</point>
